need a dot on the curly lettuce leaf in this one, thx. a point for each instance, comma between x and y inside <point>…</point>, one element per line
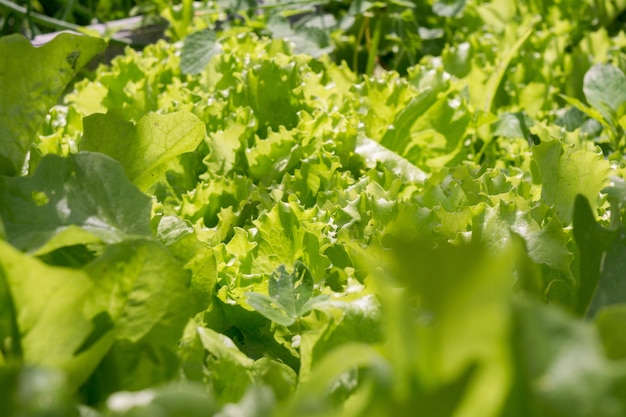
<point>566,171</point>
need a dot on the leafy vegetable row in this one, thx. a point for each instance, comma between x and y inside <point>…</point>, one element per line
<point>223,226</point>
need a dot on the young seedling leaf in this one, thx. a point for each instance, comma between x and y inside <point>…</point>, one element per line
<point>605,89</point>
<point>198,49</point>
<point>289,295</point>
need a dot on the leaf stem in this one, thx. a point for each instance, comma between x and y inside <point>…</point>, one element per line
<point>373,48</point>
<point>355,58</point>
<point>39,18</point>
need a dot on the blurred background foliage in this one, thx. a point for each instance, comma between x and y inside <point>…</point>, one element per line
<point>385,34</point>
<point>34,17</point>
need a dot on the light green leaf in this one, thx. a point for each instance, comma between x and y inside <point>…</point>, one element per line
<point>611,324</point>
<point>145,148</point>
<point>279,376</point>
<point>373,153</point>
<point>145,293</point>
<point>273,94</point>
<point>460,291</point>
<point>547,245</point>
<point>398,138</point>
<point>31,80</point>
<point>565,172</point>
<point>199,259</point>
<point>151,288</point>
<point>69,201</point>
<point>355,317</point>
<point>53,315</point>
<point>226,143</point>
<point>172,228</point>
<point>269,158</point>
<point>429,131</point>
<point>10,349</point>
<point>229,370</point>
<point>312,395</point>
<point>495,78</point>
<point>280,238</point>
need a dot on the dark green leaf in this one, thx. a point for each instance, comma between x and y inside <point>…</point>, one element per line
<point>75,200</point>
<point>34,392</point>
<point>605,89</point>
<point>289,295</point>
<point>198,49</point>
<point>593,242</point>
<point>561,365</point>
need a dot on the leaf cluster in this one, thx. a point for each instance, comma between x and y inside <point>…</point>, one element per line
<point>226,226</point>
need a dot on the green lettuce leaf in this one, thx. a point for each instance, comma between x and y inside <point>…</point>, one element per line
<point>602,254</point>
<point>564,376</point>
<point>11,348</point>
<point>145,297</point>
<point>289,232</point>
<point>565,172</point>
<point>31,80</point>
<point>226,144</point>
<point>35,391</point>
<point>197,51</point>
<point>173,399</point>
<point>198,257</point>
<point>458,291</point>
<point>429,131</point>
<point>214,357</point>
<point>143,149</point>
<point>611,324</point>
<point>605,89</point>
<point>56,308</point>
<point>373,152</point>
<point>290,295</point>
<point>81,199</point>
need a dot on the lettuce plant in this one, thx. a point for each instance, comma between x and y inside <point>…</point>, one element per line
<point>224,226</point>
